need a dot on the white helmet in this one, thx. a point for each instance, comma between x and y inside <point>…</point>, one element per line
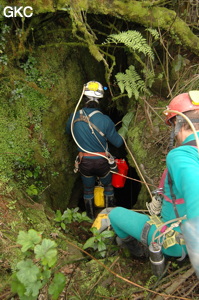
<point>94,89</point>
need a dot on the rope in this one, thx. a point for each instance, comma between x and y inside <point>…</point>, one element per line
<point>72,123</point>
<point>139,171</point>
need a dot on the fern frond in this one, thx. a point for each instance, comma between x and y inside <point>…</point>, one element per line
<point>131,82</point>
<point>133,40</point>
<point>154,33</point>
<point>149,77</point>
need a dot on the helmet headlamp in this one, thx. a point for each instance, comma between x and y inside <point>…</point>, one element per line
<point>194,96</point>
<point>94,89</point>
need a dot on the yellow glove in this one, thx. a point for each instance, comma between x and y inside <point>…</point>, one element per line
<point>102,221</point>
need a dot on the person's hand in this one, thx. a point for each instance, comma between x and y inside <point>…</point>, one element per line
<point>102,221</point>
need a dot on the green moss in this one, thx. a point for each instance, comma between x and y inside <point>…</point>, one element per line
<point>135,138</point>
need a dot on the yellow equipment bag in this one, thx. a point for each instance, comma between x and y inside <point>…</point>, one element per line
<point>99,196</point>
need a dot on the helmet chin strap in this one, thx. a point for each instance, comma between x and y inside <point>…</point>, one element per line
<point>175,130</point>
<point>177,127</point>
<point>179,123</point>
<point>92,99</point>
<point>172,136</point>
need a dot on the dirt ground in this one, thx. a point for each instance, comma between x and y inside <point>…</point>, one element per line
<point>116,276</point>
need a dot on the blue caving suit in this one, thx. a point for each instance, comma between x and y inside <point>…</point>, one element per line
<point>94,166</point>
<point>183,167</point>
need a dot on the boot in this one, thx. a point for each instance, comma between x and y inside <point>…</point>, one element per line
<point>135,247</point>
<point>89,205</point>
<point>109,201</point>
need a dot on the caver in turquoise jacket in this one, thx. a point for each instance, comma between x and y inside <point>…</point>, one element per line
<point>183,166</point>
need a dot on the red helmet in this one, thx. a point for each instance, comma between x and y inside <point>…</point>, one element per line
<point>182,103</point>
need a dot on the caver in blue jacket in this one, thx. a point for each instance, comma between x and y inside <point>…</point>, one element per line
<point>87,140</point>
<point>92,130</point>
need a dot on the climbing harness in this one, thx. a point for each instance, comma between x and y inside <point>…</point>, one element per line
<point>86,118</point>
<point>168,236</point>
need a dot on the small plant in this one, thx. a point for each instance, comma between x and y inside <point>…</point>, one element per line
<point>36,269</point>
<point>69,216</point>
<point>152,280</point>
<point>131,82</point>
<point>11,205</point>
<point>98,241</point>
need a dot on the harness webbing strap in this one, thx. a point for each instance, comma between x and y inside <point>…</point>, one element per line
<point>160,190</point>
<point>144,235</point>
<point>191,143</point>
<point>173,197</point>
<point>87,120</point>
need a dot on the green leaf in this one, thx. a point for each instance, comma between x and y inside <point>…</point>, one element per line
<point>28,239</point>
<point>28,275</point>
<point>57,285</point>
<point>125,124</point>
<point>28,297</point>
<point>47,252</point>
<point>32,190</point>
<point>63,226</point>
<point>28,272</point>
<point>101,246</point>
<point>94,231</point>
<point>90,243</point>
<point>45,275</point>
<point>58,217</point>
<point>17,286</point>
<point>33,288</point>
<point>107,234</point>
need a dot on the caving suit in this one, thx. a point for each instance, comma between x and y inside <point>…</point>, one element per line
<point>94,138</point>
<point>183,167</point>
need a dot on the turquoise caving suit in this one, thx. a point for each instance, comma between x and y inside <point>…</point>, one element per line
<point>183,166</point>
<point>94,166</point>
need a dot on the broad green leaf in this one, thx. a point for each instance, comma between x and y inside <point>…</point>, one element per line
<point>58,217</point>
<point>94,230</point>
<point>90,242</point>
<point>28,297</point>
<point>125,124</point>
<point>32,190</point>
<point>101,246</point>
<point>107,234</point>
<point>57,285</point>
<point>63,226</point>
<point>47,252</point>
<point>75,209</point>
<point>17,286</point>
<point>28,272</point>
<point>28,239</point>
<point>45,275</point>
<point>33,289</point>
